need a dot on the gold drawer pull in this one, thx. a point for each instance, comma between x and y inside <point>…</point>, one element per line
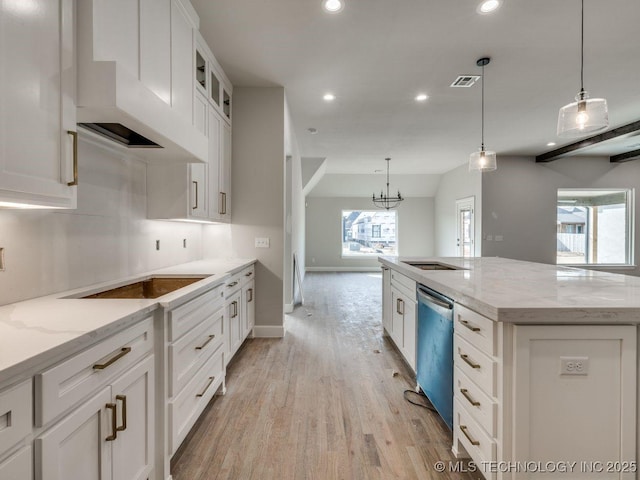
<point>475,443</point>
<point>466,395</point>
<point>123,399</point>
<point>469,326</point>
<point>200,347</point>
<point>232,284</point>
<point>201,394</point>
<point>248,274</point>
<point>114,422</point>
<point>250,295</point>
<point>102,366</point>
<point>469,362</point>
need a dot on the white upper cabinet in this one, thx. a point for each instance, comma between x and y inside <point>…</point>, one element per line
<point>37,94</point>
<point>135,70</point>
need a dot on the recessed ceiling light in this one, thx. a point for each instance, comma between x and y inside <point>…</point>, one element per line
<point>489,6</point>
<point>421,97</point>
<point>329,97</point>
<point>551,144</point>
<point>333,6</point>
<point>312,130</point>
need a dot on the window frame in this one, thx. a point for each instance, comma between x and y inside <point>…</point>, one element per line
<point>366,256</point>
<point>629,229</point>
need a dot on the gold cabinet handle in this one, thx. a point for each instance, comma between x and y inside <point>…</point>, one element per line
<point>114,422</point>
<point>402,305</point>
<point>108,363</point>
<point>250,292</point>
<point>224,203</point>
<point>465,323</point>
<point>248,274</point>
<point>469,362</point>
<point>235,309</point>
<point>466,434</point>
<point>465,394</point>
<point>397,305</point>
<point>206,342</point>
<point>196,185</point>
<point>123,399</point>
<point>232,284</point>
<point>201,394</point>
<point>74,135</point>
<point>220,203</point>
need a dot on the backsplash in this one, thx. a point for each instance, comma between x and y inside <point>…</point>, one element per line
<point>106,238</point>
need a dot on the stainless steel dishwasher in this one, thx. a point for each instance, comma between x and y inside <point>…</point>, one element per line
<point>434,363</point>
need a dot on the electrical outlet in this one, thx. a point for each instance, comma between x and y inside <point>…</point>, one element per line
<point>1,259</point>
<point>157,244</point>
<point>574,365</point>
<point>262,242</point>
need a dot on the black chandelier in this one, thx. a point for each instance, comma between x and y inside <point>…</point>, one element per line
<point>385,201</point>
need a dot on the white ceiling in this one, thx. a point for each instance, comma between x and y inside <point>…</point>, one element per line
<point>377,55</point>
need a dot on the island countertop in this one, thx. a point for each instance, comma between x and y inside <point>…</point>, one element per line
<point>525,292</point>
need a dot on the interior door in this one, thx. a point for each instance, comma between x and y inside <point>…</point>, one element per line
<point>465,229</point>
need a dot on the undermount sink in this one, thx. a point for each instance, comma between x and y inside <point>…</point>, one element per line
<point>152,287</point>
<point>430,265</point>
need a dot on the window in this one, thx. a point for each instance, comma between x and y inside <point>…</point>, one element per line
<point>369,233</point>
<point>594,227</point>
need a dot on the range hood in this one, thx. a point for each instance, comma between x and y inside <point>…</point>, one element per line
<point>113,101</point>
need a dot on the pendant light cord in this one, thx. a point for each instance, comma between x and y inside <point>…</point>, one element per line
<point>582,51</point>
<point>482,122</point>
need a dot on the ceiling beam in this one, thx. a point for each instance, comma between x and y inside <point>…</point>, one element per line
<point>586,143</point>
<point>625,157</point>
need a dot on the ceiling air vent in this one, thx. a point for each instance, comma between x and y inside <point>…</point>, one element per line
<point>465,80</point>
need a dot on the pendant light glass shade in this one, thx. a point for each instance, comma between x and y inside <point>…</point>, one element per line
<point>585,115</point>
<point>482,161</point>
<point>582,117</point>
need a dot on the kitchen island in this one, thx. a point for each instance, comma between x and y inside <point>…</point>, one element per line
<point>544,362</point>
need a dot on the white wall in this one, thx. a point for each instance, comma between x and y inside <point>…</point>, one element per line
<point>454,185</point>
<point>257,173</point>
<point>519,201</point>
<point>324,231</point>
<point>107,237</point>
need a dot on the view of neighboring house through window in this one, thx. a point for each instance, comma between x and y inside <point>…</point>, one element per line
<point>369,233</point>
<point>594,226</point>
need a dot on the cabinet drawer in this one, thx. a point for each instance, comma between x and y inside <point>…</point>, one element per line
<point>16,407</point>
<point>187,406</point>
<point>248,273</point>
<point>475,440</point>
<point>477,366</point>
<point>183,318</point>
<point>189,353</point>
<point>482,408</point>
<point>18,466</point>
<point>479,330</point>
<point>233,284</point>
<point>403,284</point>
<point>64,385</point>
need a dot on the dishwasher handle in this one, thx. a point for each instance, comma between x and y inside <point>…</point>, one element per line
<point>430,298</point>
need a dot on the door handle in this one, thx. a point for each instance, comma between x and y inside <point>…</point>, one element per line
<point>74,135</point>
<point>102,366</point>
<point>196,205</point>
<point>114,422</point>
<point>123,399</point>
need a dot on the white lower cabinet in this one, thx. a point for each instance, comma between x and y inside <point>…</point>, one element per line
<point>110,436</point>
<point>240,309</point>
<point>520,400</point>
<point>18,466</point>
<point>403,322</point>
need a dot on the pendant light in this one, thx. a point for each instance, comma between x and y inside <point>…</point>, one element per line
<point>585,115</point>
<point>386,201</point>
<point>482,160</point>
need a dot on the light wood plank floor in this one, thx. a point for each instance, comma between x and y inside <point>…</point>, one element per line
<point>319,403</point>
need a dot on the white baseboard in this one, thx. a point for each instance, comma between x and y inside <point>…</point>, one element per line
<point>268,331</point>
<point>343,269</point>
<point>288,307</point>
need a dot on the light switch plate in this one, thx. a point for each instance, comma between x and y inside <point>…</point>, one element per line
<point>574,365</point>
<point>262,242</point>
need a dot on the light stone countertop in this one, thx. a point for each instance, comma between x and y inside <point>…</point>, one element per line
<point>525,292</point>
<point>39,332</point>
